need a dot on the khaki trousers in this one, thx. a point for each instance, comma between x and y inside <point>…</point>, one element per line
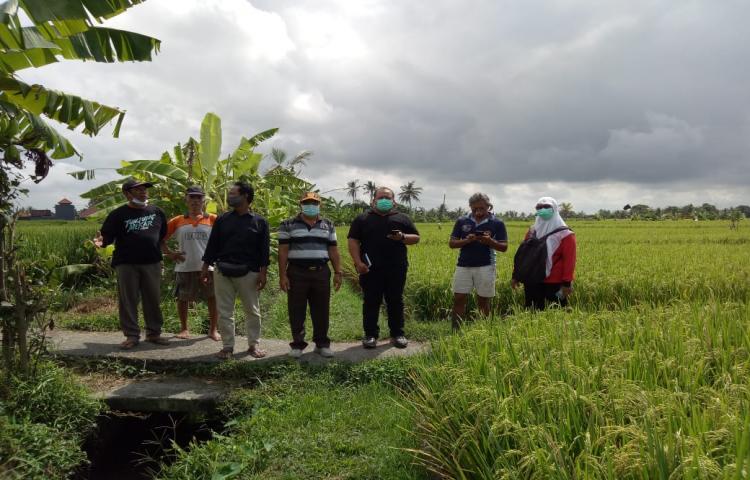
<point>227,289</point>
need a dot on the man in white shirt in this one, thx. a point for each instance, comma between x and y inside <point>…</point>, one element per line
<point>192,231</point>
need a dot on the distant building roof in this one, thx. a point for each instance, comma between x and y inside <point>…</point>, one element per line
<point>87,212</point>
<point>40,213</point>
<point>65,201</point>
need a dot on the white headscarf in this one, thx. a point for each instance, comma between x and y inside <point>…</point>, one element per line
<point>544,227</point>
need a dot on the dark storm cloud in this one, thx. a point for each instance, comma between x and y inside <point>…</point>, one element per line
<point>637,93</point>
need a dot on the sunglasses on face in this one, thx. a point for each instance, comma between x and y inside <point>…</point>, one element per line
<point>539,207</point>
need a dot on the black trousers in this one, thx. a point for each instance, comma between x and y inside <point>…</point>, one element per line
<point>383,283</point>
<point>537,295</point>
<point>311,287</point>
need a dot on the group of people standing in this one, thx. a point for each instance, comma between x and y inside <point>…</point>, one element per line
<point>220,258</point>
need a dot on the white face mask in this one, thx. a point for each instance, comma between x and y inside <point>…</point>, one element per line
<point>138,203</point>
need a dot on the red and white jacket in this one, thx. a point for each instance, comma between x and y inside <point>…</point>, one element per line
<point>561,257</point>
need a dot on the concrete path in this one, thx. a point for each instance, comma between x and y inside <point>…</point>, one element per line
<point>187,394</point>
<point>201,349</point>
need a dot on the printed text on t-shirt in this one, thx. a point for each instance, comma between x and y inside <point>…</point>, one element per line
<point>140,223</point>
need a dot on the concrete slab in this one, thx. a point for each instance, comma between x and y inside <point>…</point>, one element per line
<point>201,349</point>
<point>167,394</point>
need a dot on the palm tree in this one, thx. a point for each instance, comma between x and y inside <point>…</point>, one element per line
<point>566,209</point>
<point>299,160</point>
<point>409,193</point>
<point>370,188</point>
<point>352,188</point>
<point>278,156</point>
<point>281,159</point>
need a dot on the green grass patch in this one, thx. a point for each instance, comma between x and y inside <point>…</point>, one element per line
<point>43,423</point>
<point>333,422</point>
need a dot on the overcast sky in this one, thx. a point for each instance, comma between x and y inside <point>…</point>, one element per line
<point>594,103</point>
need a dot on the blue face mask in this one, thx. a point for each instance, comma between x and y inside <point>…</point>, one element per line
<point>545,213</point>
<point>310,210</point>
<point>384,205</point>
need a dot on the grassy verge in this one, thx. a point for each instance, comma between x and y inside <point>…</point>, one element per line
<point>43,423</point>
<point>339,421</point>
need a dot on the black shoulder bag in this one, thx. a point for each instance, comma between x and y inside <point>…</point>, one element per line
<point>530,261</point>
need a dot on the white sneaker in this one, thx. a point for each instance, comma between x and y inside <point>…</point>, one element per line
<point>324,352</point>
<point>295,353</point>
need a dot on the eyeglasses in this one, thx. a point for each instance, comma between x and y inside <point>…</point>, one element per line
<point>539,207</point>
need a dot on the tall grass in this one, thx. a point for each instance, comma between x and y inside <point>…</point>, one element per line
<point>642,393</point>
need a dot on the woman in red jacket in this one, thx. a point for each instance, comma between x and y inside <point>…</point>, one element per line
<point>561,257</point>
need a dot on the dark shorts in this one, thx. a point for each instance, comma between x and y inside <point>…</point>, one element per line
<point>188,287</point>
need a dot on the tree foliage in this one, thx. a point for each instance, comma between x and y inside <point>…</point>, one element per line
<point>198,162</point>
<point>409,193</point>
<point>52,30</point>
<point>59,30</point>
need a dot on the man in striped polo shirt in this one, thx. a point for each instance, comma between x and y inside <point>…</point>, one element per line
<point>306,243</point>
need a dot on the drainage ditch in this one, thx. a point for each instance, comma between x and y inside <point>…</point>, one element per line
<point>133,445</point>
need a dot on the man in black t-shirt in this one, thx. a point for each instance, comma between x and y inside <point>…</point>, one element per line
<point>137,230</point>
<point>377,243</point>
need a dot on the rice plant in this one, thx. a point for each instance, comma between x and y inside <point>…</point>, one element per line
<point>641,393</point>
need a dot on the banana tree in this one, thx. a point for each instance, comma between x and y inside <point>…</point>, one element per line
<point>198,162</point>
<point>35,33</point>
<point>55,30</point>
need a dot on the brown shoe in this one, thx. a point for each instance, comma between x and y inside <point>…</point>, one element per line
<point>129,344</point>
<point>157,340</point>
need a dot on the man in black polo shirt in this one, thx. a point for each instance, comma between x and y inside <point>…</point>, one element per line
<point>377,244</point>
<point>239,245</point>
<point>137,230</point>
<point>306,243</point>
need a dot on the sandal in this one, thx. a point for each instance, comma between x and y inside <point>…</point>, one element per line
<point>256,352</point>
<point>128,344</point>
<point>157,340</point>
<point>223,354</point>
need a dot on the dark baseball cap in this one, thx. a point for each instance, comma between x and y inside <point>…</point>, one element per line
<point>195,190</point>
<point>133,183</point>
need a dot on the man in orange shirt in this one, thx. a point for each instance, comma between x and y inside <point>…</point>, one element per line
<point>192,231</point>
